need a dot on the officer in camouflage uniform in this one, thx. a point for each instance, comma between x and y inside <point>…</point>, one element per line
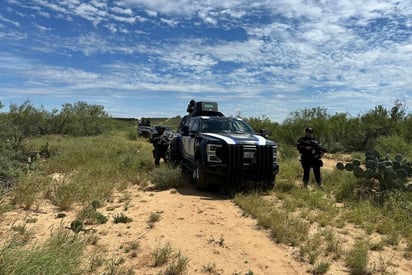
<point>311,151</point>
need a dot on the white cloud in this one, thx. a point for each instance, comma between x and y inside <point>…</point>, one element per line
<point>122,11</point>
<point>90,12</point>
<point>8,21</point>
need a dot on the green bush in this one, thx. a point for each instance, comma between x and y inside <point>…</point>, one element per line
<point>392,145</point>
<point>166,177</point>
<point>284,227</point>
<point>357,258</point>
<point>121,218</point>
<point>29,189</point>
<point>344,186</point>
<point>89,215</point>
<point>62,253</point>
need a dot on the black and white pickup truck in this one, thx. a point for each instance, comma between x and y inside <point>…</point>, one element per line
<point>213,147</point>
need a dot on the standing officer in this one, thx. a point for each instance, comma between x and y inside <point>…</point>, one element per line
<point>311,151</point>
<point>160,144</point>
<point>191,106</point>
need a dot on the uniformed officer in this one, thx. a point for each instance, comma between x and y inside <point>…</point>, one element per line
<point>191,106</point>
<point>311,151</point>
<point>160,144</point>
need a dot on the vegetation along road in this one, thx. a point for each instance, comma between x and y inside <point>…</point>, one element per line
<point>93,202</point>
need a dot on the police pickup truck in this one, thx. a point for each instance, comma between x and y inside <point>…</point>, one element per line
<point>213,147</point>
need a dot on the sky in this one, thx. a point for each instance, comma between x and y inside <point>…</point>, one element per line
<point>261,59</point>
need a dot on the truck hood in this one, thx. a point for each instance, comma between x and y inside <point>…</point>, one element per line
<point>239,139</point>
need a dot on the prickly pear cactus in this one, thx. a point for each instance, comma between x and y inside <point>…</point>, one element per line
<point>76,226</point>
<point>391,174</point>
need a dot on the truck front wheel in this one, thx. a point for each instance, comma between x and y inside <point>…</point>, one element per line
<point>269,184</point>
<point>199,176</point>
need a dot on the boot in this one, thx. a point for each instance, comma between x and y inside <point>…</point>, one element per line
<point>305,184</point>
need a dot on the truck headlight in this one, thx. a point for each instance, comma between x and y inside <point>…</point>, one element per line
<point>211,151</point>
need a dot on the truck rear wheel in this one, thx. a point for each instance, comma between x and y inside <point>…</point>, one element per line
<point>199,176</point>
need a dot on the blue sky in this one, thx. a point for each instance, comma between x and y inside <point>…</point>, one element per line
<point>263,58</point>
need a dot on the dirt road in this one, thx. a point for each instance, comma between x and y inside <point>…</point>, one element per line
<point>210,231</point>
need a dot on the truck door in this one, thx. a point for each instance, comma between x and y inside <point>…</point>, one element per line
<point>189,140</point>
<point>193,131</point>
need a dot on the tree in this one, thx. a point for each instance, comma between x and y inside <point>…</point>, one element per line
<point>375,123</point>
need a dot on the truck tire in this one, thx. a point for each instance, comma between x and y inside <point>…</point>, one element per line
<point>199,176</point>
<point>269,184</point>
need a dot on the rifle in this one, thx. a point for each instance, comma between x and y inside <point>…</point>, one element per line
<point>163,139</point>
<point>317,149</point>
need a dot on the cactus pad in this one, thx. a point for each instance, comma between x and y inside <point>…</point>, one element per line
<point>391,174</point>
<point>358,171</point>
<point>402,174</point>
<point>340,166</point>
<point>356,162</point>
<point>349,167</point>
<point>398,158</point>
<point>370,164</point>
<point>76,226</point>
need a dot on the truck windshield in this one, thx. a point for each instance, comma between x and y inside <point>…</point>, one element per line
<point>227,126</point>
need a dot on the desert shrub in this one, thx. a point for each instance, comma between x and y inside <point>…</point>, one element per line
<point>365,214</point>
<point>357,258</point>
<point>336,147</point>
<point>333,244</point>
<point>161,254</point>
<point>344,185</point>
<point>284,186</point>
<point>11,153</point>
<point>60,254</point>
<point>115,265</point>
<point>398,207</point>
<point>312,248</point>
<point>81,119</point>
<point>121,218</point>
<point>392,145</point>
<point>132,133</point>
<point>284,227</point>
<point>28,189</point>
<point>321,268</point>
<point>166,177</point>
<point>90,216</point>
<point>26,121</point>
<point>290,170</point>
<point>90,167</point>
<point>153,218</point>
<point>178,265</point>
<point>286,152</point>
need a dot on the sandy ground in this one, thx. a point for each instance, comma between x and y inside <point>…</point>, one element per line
<point>208,229</point>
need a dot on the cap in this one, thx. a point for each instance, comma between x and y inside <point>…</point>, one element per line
<point>308,130</point>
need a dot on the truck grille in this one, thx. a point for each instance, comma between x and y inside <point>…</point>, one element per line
<point>241,165</point>
<point>235,164</point>
<point>264,162</point>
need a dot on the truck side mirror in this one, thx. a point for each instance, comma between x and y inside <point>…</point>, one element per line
<point>185,130</point>
<point>263,133</point>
